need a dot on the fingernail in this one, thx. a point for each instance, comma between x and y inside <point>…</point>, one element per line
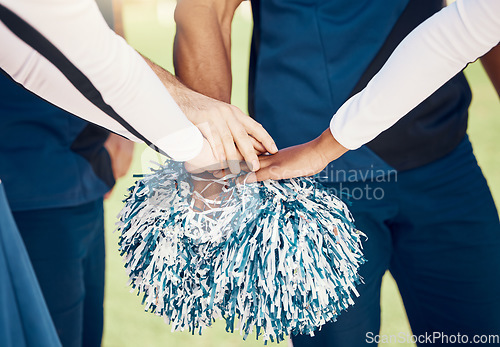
<point>275,148</point>
<point>255,165</point>
<point>234,167</point>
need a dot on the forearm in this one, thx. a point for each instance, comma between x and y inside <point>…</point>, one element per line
<point>175,88</point>
<point>491,63</point>
<point>202,47</point>
<point>188,100</point>
<point>77,63</point>
<point>432,54</point>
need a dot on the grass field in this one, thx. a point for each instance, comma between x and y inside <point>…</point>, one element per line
<point>149,28</point>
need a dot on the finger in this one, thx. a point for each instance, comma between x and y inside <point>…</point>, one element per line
<point>226,137</point>
<point>259,133</point>
<point>261,175</point>
<point>225,171</point>
<point>244,143</point>
<point>247,179</point>
<point>244,167</point>
<point>259,148</point>
<point>221,173</point>
<point>218,148</point>
<point>276,172</point>
<point>266,160</point>
<point>209,131</point>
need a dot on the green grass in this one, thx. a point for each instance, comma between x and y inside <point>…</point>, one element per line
<point>126,324</point>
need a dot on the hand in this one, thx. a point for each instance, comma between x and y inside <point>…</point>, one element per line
<point>303,160</point>
<point>232,135</point>
<point>121,152</point>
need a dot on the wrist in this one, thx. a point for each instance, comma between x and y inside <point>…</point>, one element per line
<point>328,148</point>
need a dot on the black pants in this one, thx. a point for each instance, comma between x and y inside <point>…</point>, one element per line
<point>66,248</point>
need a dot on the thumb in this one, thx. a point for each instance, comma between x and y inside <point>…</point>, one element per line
<point>261,175</point>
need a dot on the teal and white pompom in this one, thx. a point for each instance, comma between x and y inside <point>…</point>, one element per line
<point>279,256</point>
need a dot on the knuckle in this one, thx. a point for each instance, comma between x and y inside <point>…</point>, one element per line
<point>226,136</point>
<point>219,145</point>
<point>248,151</point>
<point>242,134</point>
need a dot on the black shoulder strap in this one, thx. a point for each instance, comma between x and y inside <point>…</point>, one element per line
<point>415,13</point>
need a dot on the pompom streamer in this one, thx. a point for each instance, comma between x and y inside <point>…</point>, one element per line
<point>277,257</point>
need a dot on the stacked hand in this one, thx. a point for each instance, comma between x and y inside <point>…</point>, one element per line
<point>302,160</point>
<point>230,135</point>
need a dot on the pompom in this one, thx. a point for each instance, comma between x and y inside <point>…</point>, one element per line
<point>278,256</point>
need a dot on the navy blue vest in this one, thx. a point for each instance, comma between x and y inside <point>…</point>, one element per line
<point>308,57</point>
<point>48,157</point>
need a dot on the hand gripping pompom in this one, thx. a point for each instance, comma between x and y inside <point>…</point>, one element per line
<point>281,256</point>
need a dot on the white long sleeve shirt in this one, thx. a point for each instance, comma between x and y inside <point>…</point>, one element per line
<point>427,58</point>
<point>63,51</point>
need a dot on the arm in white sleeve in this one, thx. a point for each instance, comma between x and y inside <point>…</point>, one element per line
<point>63,51</point>
<point>426,59</point>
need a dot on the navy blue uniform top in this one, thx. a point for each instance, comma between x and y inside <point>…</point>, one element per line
<point>48,157</point>
<point>309,57</point>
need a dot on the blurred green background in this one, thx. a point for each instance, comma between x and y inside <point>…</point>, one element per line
<point>149,27</point>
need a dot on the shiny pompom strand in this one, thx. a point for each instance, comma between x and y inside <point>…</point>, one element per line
<point>277,257</point>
